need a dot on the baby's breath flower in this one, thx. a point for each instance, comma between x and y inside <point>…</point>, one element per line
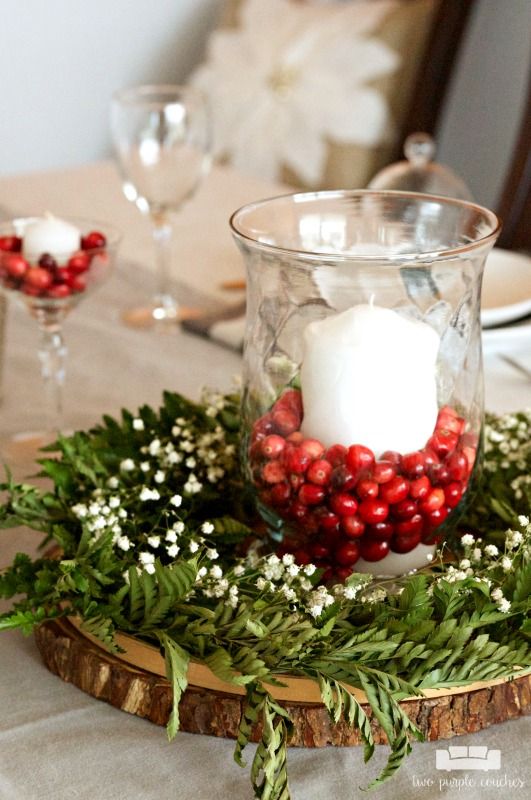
<point>207,527</point>
<point>127,465</point>
<point>309,569</point>
<point>193,546</point>
<point>178,526</point>
<point>114,502</point>
<point>150,568</point>
<point>496,594</point>
<point>153,541</point>
<point>464,563</point>
<point>113,482</point>
<point>212,554</point>
<point>491,550</point>
<point>146,558</point>
<point>523,520</point>
<point>238,570</point>
<point>159,476</point>
<point>467,540</point>
<point>149,494</point>
<point>216,571</point>
<point>154,447</point>
<point>171,536</point>
<point>123,543</point>
<point>138,424</point>
<point>504,605</point>
<point>506,564</point>
<point>80,510</point>
<point>176,500</point>
<point>173,550</point>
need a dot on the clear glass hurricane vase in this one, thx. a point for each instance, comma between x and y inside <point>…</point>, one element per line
<point>162,140</point>
<point>363,387</point>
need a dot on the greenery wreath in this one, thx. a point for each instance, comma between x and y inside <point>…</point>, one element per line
<point>152,520</point>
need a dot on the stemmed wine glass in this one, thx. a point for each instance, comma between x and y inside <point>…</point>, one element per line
<point>161,136</point>
<point>49,265</point>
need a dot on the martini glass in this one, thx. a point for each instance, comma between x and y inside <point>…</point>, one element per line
<point>161,136</point>
<point>50,287</point>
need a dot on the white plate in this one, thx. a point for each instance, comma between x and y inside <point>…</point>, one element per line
<point>506,294</point>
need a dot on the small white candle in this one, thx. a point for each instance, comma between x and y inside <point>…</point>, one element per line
<point>50,235</point>
<point>368,376</point>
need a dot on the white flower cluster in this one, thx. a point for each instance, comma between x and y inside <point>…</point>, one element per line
<point>512,441</point>
<point>102,514</point>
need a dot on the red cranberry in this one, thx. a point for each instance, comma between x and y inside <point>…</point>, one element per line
<point>10,244</point>
<point>343,478</point>
<point>290,400</point>
<point>79,262</point>
<point>443,442</point>
<point>470,454</point>
<point>347,553</point>
<point>46,261</point>
<point>58,291</point>
<point>272,446</point>
<point>359,458</point>
<point>419,488</point>
<point>405,509</point>
<point>295,459</point>
<point>343,504</point>
<point>433,501</point>
<point>373,510</point>
<point>319,550</point>
<point>297,511</point>
<point>395,490</point>
<point>380,530</point>
<point>413,464</point>
<point>457,465</point>
<point>319,472</point>
<point>409,527</point>
<point>439,474</point>
<point>327,575</point>
<point>295,480</point>
<point>352,526</point>
<point>336,454</point>
<point>280,494</point>
<point>404,544</point>
<point>61,275</point>
<point>313,448</point>
<point>450,421</point>
<point>93,241</point>
<point>262,427</point>
<point>343,573</point>
<point>366,488</point>
<point>296,437</point>
<point>310,494</point>
<point>374,549</point>
<point>31,291</point>
<point>383,471</point>
<point>328,521</point>
<point>78,283</point>
<point>393,456</point>
<point>38,278</point>
<point>302,557</point>
<point>285,421</point>
<point>15,265</point>
<point>435,518</point>
<point>453,493</point>
<point>273,472</point>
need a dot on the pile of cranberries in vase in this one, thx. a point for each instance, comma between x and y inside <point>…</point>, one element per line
<point>360,467</point>
<point>46,259</point>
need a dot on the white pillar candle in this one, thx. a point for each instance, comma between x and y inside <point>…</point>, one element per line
<point>368,376</point>
<point>50,235</point>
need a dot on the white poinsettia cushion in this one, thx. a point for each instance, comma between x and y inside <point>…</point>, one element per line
<point>293,77</point>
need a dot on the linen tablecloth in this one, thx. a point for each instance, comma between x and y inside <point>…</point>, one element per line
<point>56,743</point>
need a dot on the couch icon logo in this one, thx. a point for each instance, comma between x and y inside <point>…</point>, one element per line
<point>458,757</point>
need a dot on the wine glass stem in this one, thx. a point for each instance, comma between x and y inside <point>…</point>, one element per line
<point>166,305</point>
<point>52,355</point>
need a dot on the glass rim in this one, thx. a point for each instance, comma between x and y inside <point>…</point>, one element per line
<point>312,255</point>
<point>142,93</point>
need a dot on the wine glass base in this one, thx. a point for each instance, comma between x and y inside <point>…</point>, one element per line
<point>153,317</point>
